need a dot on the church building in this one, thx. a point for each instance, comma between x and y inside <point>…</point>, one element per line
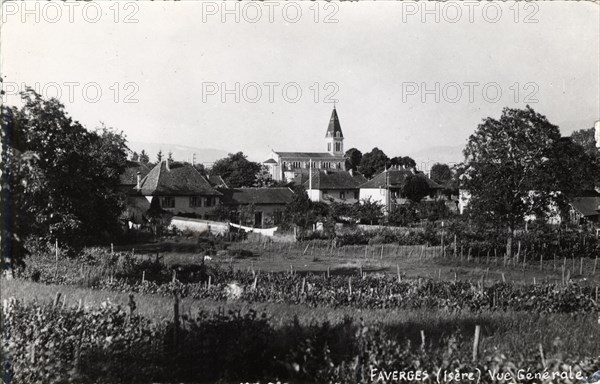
<point>287,166</point>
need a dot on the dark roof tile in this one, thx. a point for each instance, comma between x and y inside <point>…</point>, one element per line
<point>129,176</point>
<point>178,179</point>
<point>244,196</point>
<point>395,178</point>
<point>335,180</point>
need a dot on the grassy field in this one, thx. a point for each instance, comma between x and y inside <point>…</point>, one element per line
<point>411,261</point>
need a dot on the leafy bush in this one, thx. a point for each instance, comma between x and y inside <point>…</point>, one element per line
<point>52,344</point>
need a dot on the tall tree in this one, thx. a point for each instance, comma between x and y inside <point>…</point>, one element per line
<point>441,174</point>
<point>69,174</point>
<point>135,156</point>
<point>512,169</point>
<point>170,156</point>
<point>236,170</point>
<point>353,158</point>
<point>263,178</point>
<point>373,162</point>
<point>402,162</point>
<point>415,188</point>
<point>144,158</point>
<point>587,139</point>
<point>159,156</point>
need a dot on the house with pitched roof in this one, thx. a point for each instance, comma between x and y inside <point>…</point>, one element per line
<point>264,205</point>
<point>340,187</point>
<point>585,208</point>
<point>386,187</point>
<point>180,188</point>
<point>285,166</point>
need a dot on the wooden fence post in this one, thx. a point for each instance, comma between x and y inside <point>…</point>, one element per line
<point>398,272</point>
<point>174,276</point>
<point>175,321</point>
<point>350,286</point>
<point>422,339</point>
<point>143,276</point>
<point>542,355</point>
<point>56,259</point>
<point>581,266</point>
<point>57,299</point>
<point>455,247</point>
<point>476,342</point>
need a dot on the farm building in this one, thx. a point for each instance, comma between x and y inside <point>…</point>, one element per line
<point>257,207</point>
<point>386,187</point>
<point>180,188</point>
<point>339,187</point>
<point>585,208</point>
<point>285,166</point>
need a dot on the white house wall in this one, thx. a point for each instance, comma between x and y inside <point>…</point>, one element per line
<point>378,195</point>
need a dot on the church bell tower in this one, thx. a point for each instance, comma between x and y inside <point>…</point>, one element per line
<point>334,139</point>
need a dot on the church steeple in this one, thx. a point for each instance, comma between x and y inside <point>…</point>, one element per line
<point>334,129</point>
<point>334,136</point>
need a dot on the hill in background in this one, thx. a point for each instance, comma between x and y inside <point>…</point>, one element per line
<point>180,152</point>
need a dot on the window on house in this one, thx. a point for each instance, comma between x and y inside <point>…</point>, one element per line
<point>356,195</point>
<point>342,195</point>
<point>328,147</point>
<point>167,202</point>
<point>209,201</point>
<point>195,201</point>
<point>338,147</point>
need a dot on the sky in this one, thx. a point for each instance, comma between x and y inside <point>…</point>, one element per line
<point>407,77</point>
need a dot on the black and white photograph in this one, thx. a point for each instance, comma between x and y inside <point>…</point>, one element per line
<point>300,192</point>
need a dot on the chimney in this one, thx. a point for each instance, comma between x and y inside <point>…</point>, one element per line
<point>139,180</point>
<point>167,163</point>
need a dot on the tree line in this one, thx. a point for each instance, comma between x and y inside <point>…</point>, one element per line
<point>60,180</point>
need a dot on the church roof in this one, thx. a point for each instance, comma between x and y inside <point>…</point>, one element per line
<point>269,161</point>
<point>309,155</point>
<point>334,126</point>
